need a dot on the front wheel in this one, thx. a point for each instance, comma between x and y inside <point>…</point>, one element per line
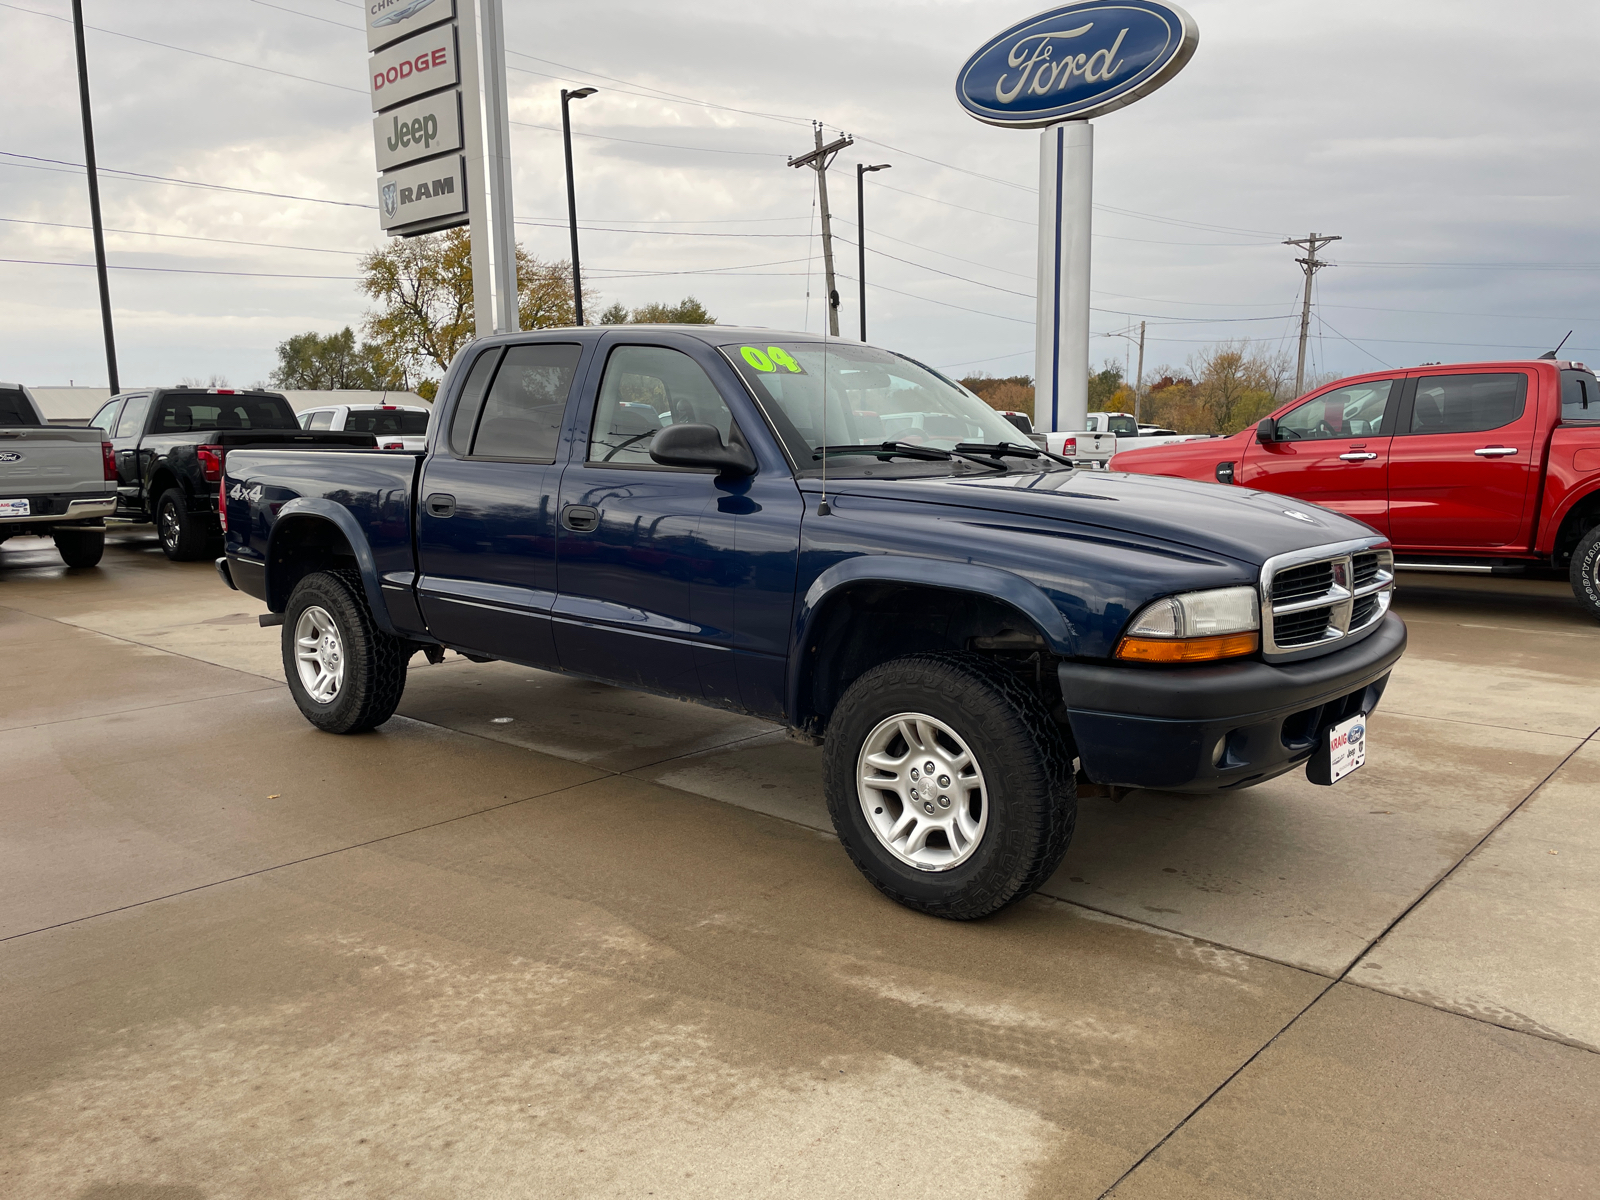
<point>346,674</point>
<point>949,786</point>
<point>80,547</point>
<point>1585,572</point>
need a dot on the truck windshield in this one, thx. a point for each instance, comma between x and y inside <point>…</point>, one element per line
<point>1580,401</point>
<point>849,394</point>
<point>181,413</point>
<point>15,409</point>
<point>395,422</point>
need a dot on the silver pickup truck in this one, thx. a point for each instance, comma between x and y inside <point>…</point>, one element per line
<point>55,480</point>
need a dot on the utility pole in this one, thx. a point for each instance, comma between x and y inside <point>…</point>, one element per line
<point>572,203</point>
<point>1310,264</point>
<point>94,198</point>
<point>818,160</point>
<point>861,236</point>
<point>1138,383</point>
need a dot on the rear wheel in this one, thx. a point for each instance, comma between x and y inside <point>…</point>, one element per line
<point>185,536</point>
<point>80,547</point>
<point>949,786</point>
<point>345,673</point>
<point>1585,572</point>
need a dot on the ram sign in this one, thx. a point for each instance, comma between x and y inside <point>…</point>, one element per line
<point>424,196</point>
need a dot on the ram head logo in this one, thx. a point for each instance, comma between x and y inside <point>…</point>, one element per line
<point>391,199</point>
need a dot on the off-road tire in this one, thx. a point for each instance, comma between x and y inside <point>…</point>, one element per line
<point>375,662</point>
<point>1026,763</point>
<point>80,547</point>
<point>1585,572</point>
<point>184,536</point>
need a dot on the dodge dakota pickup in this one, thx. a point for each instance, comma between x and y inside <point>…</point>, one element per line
<point>1464,467</point>
<point>832,537</point>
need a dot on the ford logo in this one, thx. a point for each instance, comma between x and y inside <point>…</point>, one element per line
<point>1076,61</point>
<point>9,456</point>
<point>1357,732</point>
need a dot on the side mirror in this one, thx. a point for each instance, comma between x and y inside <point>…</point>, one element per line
<point>701,446</point>
<point>1267,430</point>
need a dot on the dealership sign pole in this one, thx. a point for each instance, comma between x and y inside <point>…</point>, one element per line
<point>429,136</point>
<point>1054,72</point>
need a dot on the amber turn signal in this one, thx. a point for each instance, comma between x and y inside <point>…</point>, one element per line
<point>1188,650</point>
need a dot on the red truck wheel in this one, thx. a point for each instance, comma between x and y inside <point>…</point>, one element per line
<point>1586,572</point>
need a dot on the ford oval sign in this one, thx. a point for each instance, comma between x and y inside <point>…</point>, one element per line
<point>1076,61</point>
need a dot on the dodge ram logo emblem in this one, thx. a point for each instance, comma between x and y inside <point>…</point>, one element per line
<point>391,199</point>
<point>10,456</point>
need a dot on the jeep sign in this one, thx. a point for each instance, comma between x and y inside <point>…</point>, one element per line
<point>417,130</point>
<point>424,62</point>
<point>432,194</point>
<point>390,20</point>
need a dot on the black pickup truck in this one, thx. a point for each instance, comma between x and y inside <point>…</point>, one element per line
<point>833,537</point>
<point>170,444</point>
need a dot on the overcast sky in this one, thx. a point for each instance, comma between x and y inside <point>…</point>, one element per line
<point>1451,144</point>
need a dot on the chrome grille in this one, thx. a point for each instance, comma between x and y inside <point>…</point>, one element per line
<point>1318,599</point>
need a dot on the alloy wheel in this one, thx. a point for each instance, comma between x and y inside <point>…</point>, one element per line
<point>319,654</point>
<point>922,791</point>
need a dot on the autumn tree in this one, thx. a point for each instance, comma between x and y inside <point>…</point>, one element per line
<point>1224,388</point>
<point>423,289</point>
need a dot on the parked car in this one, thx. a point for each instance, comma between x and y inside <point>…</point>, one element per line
<point>1471,467</point>
<point>55,481</point>
<point>961,621</point>
<point>396,426</point>
<point>170,444</point>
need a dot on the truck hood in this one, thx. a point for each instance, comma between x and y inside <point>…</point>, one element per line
<point>1244,525</point>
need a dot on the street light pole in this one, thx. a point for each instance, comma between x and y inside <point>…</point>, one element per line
<point>861,236</point>
<point>572,203</point>
<point>94,197</point>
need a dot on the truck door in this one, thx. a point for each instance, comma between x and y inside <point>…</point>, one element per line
<point>486,511</point>
<point>1333,450</point>
<point>665,579</point>
<point>125,445</point>
<point>1462,461</point>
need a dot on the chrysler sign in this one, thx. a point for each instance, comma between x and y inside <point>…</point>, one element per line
<point>1076,62</point>
<point>391,20</point>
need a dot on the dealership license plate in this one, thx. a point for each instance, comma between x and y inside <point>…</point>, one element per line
<point>15,508</point>
<point>1347,747</point>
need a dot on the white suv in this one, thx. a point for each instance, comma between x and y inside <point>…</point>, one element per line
<point>396,426</point>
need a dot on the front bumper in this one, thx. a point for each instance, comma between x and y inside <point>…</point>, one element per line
<point>1210,729</point>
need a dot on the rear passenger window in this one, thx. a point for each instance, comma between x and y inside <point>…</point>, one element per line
<point>320,420</point>
<point>523,406</point>
<point>1580,397</point>
<point>647,388</point>
<point>1467,403</point>
<point>131,423</point>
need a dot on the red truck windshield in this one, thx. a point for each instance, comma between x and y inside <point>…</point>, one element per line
<point>182,413</point>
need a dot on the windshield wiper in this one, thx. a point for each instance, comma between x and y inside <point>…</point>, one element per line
<point>1012,449</point>
<point>908,450</point>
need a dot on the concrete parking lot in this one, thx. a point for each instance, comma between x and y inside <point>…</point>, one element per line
<point>542,937</point>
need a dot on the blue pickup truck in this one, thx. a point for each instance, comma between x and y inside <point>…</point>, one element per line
<point>839,539</point>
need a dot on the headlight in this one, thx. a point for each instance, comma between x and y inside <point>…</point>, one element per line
<point>1195,627</point>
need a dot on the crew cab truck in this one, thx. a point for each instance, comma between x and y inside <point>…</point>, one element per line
<point>55,481</point>
<point>970,627</point>
<point>169,445</point>
<point>1469,467</point>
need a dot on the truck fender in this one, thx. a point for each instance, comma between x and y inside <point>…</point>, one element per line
<point>949,575</point>
<point>318,508</point>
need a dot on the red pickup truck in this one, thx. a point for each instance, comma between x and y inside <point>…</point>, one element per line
<point>1472,466</point>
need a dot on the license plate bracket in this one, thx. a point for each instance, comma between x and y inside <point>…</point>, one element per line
<point>1341,749</point>
<point>16,508</point>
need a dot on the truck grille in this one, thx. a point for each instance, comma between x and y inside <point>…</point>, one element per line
<point>1319,599</point>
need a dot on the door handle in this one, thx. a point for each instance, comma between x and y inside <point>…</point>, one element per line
<point>441,504</point>
<point>1495,451</point>
<point>580,518</point>
<point>1357,456</point>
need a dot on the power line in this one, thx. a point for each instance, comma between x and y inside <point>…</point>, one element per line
<point>187,237</point>
<point>38,262</point>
